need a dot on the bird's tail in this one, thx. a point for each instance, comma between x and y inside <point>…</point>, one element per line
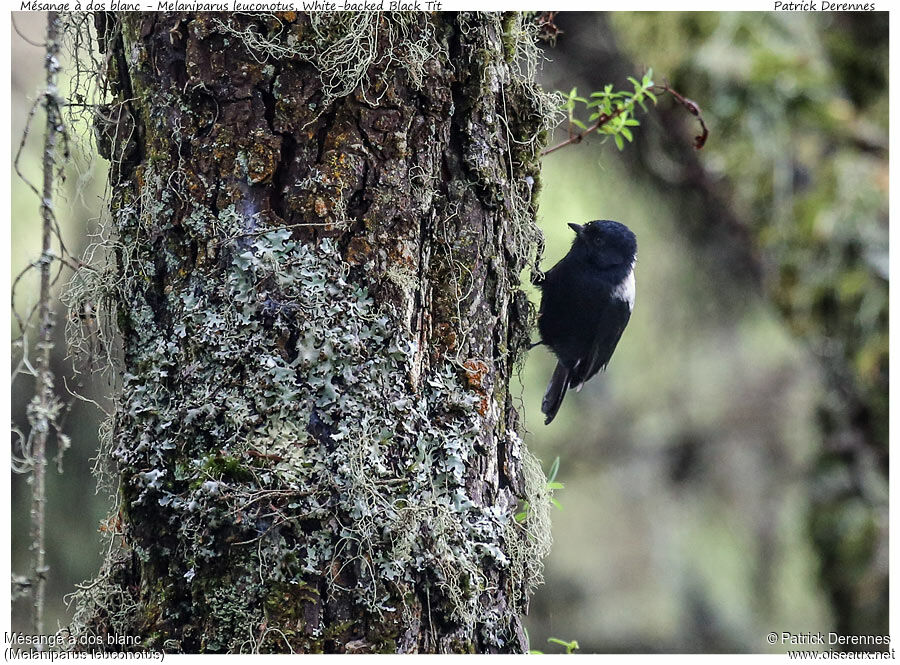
<point>556,390</point>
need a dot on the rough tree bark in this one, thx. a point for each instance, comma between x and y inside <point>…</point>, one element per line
<point>321,222</point>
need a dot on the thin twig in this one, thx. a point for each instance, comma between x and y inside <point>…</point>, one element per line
<point>12,18</point>
<point>44,418</point>
<point>692,107</point>
<point>578,138</point>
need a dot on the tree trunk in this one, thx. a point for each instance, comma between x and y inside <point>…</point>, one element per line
<point>321,223</point>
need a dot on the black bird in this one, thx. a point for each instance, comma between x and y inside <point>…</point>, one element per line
<point>586,302</point>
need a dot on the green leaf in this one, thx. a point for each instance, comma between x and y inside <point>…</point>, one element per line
<point>577,123</point>
<point>556,503</point>
<point>627,134</point>
<point>620,144</point>
<point>570,647</point>
<point>554,469</point>
<point>522,515</point>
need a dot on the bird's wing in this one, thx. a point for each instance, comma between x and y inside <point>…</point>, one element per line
<point>615,316</point>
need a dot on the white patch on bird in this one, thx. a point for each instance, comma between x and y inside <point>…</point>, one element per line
<point>575,369</point>
<point>625,290</point>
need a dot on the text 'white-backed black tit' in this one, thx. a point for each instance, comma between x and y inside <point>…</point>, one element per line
<point>586,301</point>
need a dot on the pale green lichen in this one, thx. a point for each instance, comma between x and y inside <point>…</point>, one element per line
<point>332,410</point>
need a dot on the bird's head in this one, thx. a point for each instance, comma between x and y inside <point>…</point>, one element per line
<point>605,243</point>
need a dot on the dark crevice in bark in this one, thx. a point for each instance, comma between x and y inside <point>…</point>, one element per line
<point>282,184</point>
<point>122,83</point>
<point>326,124</point>
<point>284,170</point>
<point>358,205</point>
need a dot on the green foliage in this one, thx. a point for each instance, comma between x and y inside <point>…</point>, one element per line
<point>553,484</point>
<point>611,112</point>
<point>570,647</point>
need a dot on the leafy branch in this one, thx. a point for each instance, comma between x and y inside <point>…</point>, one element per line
<point>613,112</point>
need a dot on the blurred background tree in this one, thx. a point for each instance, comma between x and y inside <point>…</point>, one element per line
<point>728,475</point>
<point>736,455</point>
<point>74,508</point>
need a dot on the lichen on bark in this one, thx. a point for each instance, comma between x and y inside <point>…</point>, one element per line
<point>316,284</point>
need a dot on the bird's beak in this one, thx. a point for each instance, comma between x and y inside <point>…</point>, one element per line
<point>578,228</point>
